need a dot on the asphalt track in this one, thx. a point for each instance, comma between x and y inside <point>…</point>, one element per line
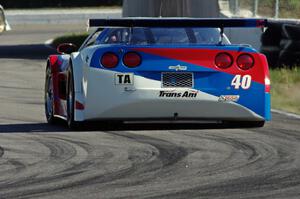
<point>129,161</point>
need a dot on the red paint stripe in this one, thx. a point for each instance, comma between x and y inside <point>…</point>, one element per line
<point>79,106</point>
<point>55,68</point>
<point>206,58</point>
<point>266,73</point>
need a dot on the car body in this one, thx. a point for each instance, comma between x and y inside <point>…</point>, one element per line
<point>4,26</point>
<point>159,69</point>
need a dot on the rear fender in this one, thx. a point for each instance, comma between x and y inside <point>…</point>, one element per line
<point>58,65</point>
<point>77,67</point>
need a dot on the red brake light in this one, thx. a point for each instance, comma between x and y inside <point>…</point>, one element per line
<point>109,60</point>
<point>245,61</point>
<point>132,59</point>
<point>223,60</point>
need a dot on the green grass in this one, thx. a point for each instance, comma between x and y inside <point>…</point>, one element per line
<point>285,89</point>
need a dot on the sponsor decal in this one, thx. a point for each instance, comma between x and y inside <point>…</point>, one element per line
<point>178,67</point>
<point>229,98</point>
<point>176,94</point>
<point>124,78</point>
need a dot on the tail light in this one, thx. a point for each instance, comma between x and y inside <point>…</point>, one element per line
<point>267,85</point>
<point>245,61</point>
<point>223,60</point>
<point>132,59</point>
<point>109,60</point>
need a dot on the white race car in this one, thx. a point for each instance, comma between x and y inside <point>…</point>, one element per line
<point>159,69</point>
<point>4,26</point>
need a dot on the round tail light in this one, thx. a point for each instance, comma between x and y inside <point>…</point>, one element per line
<point>132,59</point>
<point>223,60</point>
<point>109,60</point>
<point>245,61</point>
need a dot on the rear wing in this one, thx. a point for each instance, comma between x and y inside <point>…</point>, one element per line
<point>179,22</point>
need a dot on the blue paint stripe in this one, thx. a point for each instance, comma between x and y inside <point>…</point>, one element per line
<point>268,115</point>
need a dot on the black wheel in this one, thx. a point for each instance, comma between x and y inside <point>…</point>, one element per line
<point>290,45</point>
<point>71,101</point>
<point>49,97</point>
<point>257,124</point>
<point>271,37</point>
<point>272,54</point>
<point>289,58</point>
<point>244,124</point>
<point>291,31</point>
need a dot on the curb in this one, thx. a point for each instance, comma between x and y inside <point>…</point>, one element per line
<point>49,42</point>
<point>293,115</point>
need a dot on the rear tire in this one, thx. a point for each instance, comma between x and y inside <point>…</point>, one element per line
<point>49,97</point>
<point>71,102</point>
<point>244,124</point>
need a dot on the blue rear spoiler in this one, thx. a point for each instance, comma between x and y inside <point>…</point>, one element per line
<point>179,22</point>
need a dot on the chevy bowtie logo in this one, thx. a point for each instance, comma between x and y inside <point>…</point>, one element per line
<point>178,67</point>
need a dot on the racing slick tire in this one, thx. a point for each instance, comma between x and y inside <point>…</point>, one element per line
<point>49,97</point>
<point>71,102</point>
<point>244,124</point>
<point>290,45</point>
<point>289,58</point>
<point>291,31</point>
<point>271,37</point>
<point>272,54</point>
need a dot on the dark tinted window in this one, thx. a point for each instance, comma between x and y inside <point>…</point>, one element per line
<point>170,35</point>
<point>144,36</point>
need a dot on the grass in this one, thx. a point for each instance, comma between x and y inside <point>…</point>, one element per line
<point>285,89</point>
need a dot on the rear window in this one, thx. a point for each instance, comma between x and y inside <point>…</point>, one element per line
<point>176,36</point>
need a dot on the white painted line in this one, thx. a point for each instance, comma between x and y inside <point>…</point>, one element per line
<point>48,43</point>
<point>293,115</point>
<point>32,12</point>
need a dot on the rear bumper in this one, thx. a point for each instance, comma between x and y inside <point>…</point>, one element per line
<point>145,99</point>
<point>144,109</point>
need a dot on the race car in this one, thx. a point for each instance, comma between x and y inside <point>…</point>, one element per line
<point>165,69</point>
<point>4,26</point>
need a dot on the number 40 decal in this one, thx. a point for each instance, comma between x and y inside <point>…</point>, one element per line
<point>241,81</point>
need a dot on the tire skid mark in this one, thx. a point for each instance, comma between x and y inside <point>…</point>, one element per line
<point>165,156</point>
<point>89,160</point>
<point>59,152</point>
<point>252,156</point>
<point>249,166</point>
<point>244,185</point>
<point>1,151</point>
<point>169,153</point>
<point>269,179</point>
<point>56,150</point>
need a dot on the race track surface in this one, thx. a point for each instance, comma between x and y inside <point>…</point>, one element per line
<point>130,161</point>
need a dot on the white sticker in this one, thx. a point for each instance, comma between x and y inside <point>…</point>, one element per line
<point>241,81</point>
<point>229,98</point>
<point>123,78</point>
